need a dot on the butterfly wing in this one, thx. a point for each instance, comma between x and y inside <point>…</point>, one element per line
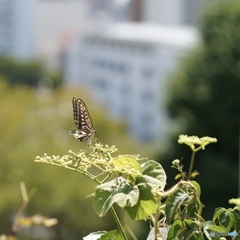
<point>82,121</point>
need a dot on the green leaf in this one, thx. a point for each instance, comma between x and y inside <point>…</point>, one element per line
<point>194,174</point>
<point>237,225</point>
<point>185,229</point>
<point>173,204</point>
<point>177,227</point>
<point>193,208</point>
<point>145,205</point>
<point>197,186</point>
<point>114,235</point>
<point>154,174</point>
<point>99,202</point>
<point>127,164</point>
<point>237,208</point>
<point>211,226</point>
<point>94,235</point>
<point>104,235</point>
<point>116,191</point>
<point>189,222</point>
<point>217,213</point>
<point>237,221</point>
<point>226,220</point>
<point>236,215</point>
<point>193,234</point>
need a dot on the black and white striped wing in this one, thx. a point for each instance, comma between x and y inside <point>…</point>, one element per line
<point>82,122</point>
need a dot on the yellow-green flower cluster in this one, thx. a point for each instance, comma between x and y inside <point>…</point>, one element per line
<point>196,143</point>
<point>100,158</point>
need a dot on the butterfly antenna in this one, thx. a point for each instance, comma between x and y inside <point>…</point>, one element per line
<point>101,125</point>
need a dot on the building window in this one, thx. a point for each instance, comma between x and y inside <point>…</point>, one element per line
<point>125,90</point>
<point>147,96</point>
<point>101,83</point>
<point>147,73</point>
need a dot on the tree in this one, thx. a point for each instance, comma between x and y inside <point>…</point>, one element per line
<point>203,99</point>
<point>31,73</point>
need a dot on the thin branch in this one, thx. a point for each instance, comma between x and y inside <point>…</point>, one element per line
<point>25,200</point>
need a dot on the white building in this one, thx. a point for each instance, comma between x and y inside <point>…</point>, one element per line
<point>126,68</point>
<point>163,12</point>
<point>171,12</point>
<point>16,37</point>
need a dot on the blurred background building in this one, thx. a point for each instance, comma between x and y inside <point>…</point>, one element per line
<point>16,29</point>
<point>125,57</point>
<point>125,66</point>
<point>122,50</point>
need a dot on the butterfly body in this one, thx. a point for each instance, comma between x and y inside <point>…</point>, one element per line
<point>82,122</point>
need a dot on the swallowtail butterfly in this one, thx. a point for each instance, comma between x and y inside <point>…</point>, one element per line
<point>82,121</point>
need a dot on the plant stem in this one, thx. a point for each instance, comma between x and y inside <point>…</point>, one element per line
<point>21,209</point>
<point>157,214</point>
<point>191,165</point>
<point>118,223</point>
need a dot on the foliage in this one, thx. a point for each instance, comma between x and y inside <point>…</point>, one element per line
<point>139,190</point>
<point>31,73</point>
<point>35,120</point>
<point>203,98</point>
<point>130,184</point>
<point>134,190</point>
<point>32,120</point>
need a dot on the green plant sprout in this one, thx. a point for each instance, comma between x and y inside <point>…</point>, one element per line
<point>138,186</point>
